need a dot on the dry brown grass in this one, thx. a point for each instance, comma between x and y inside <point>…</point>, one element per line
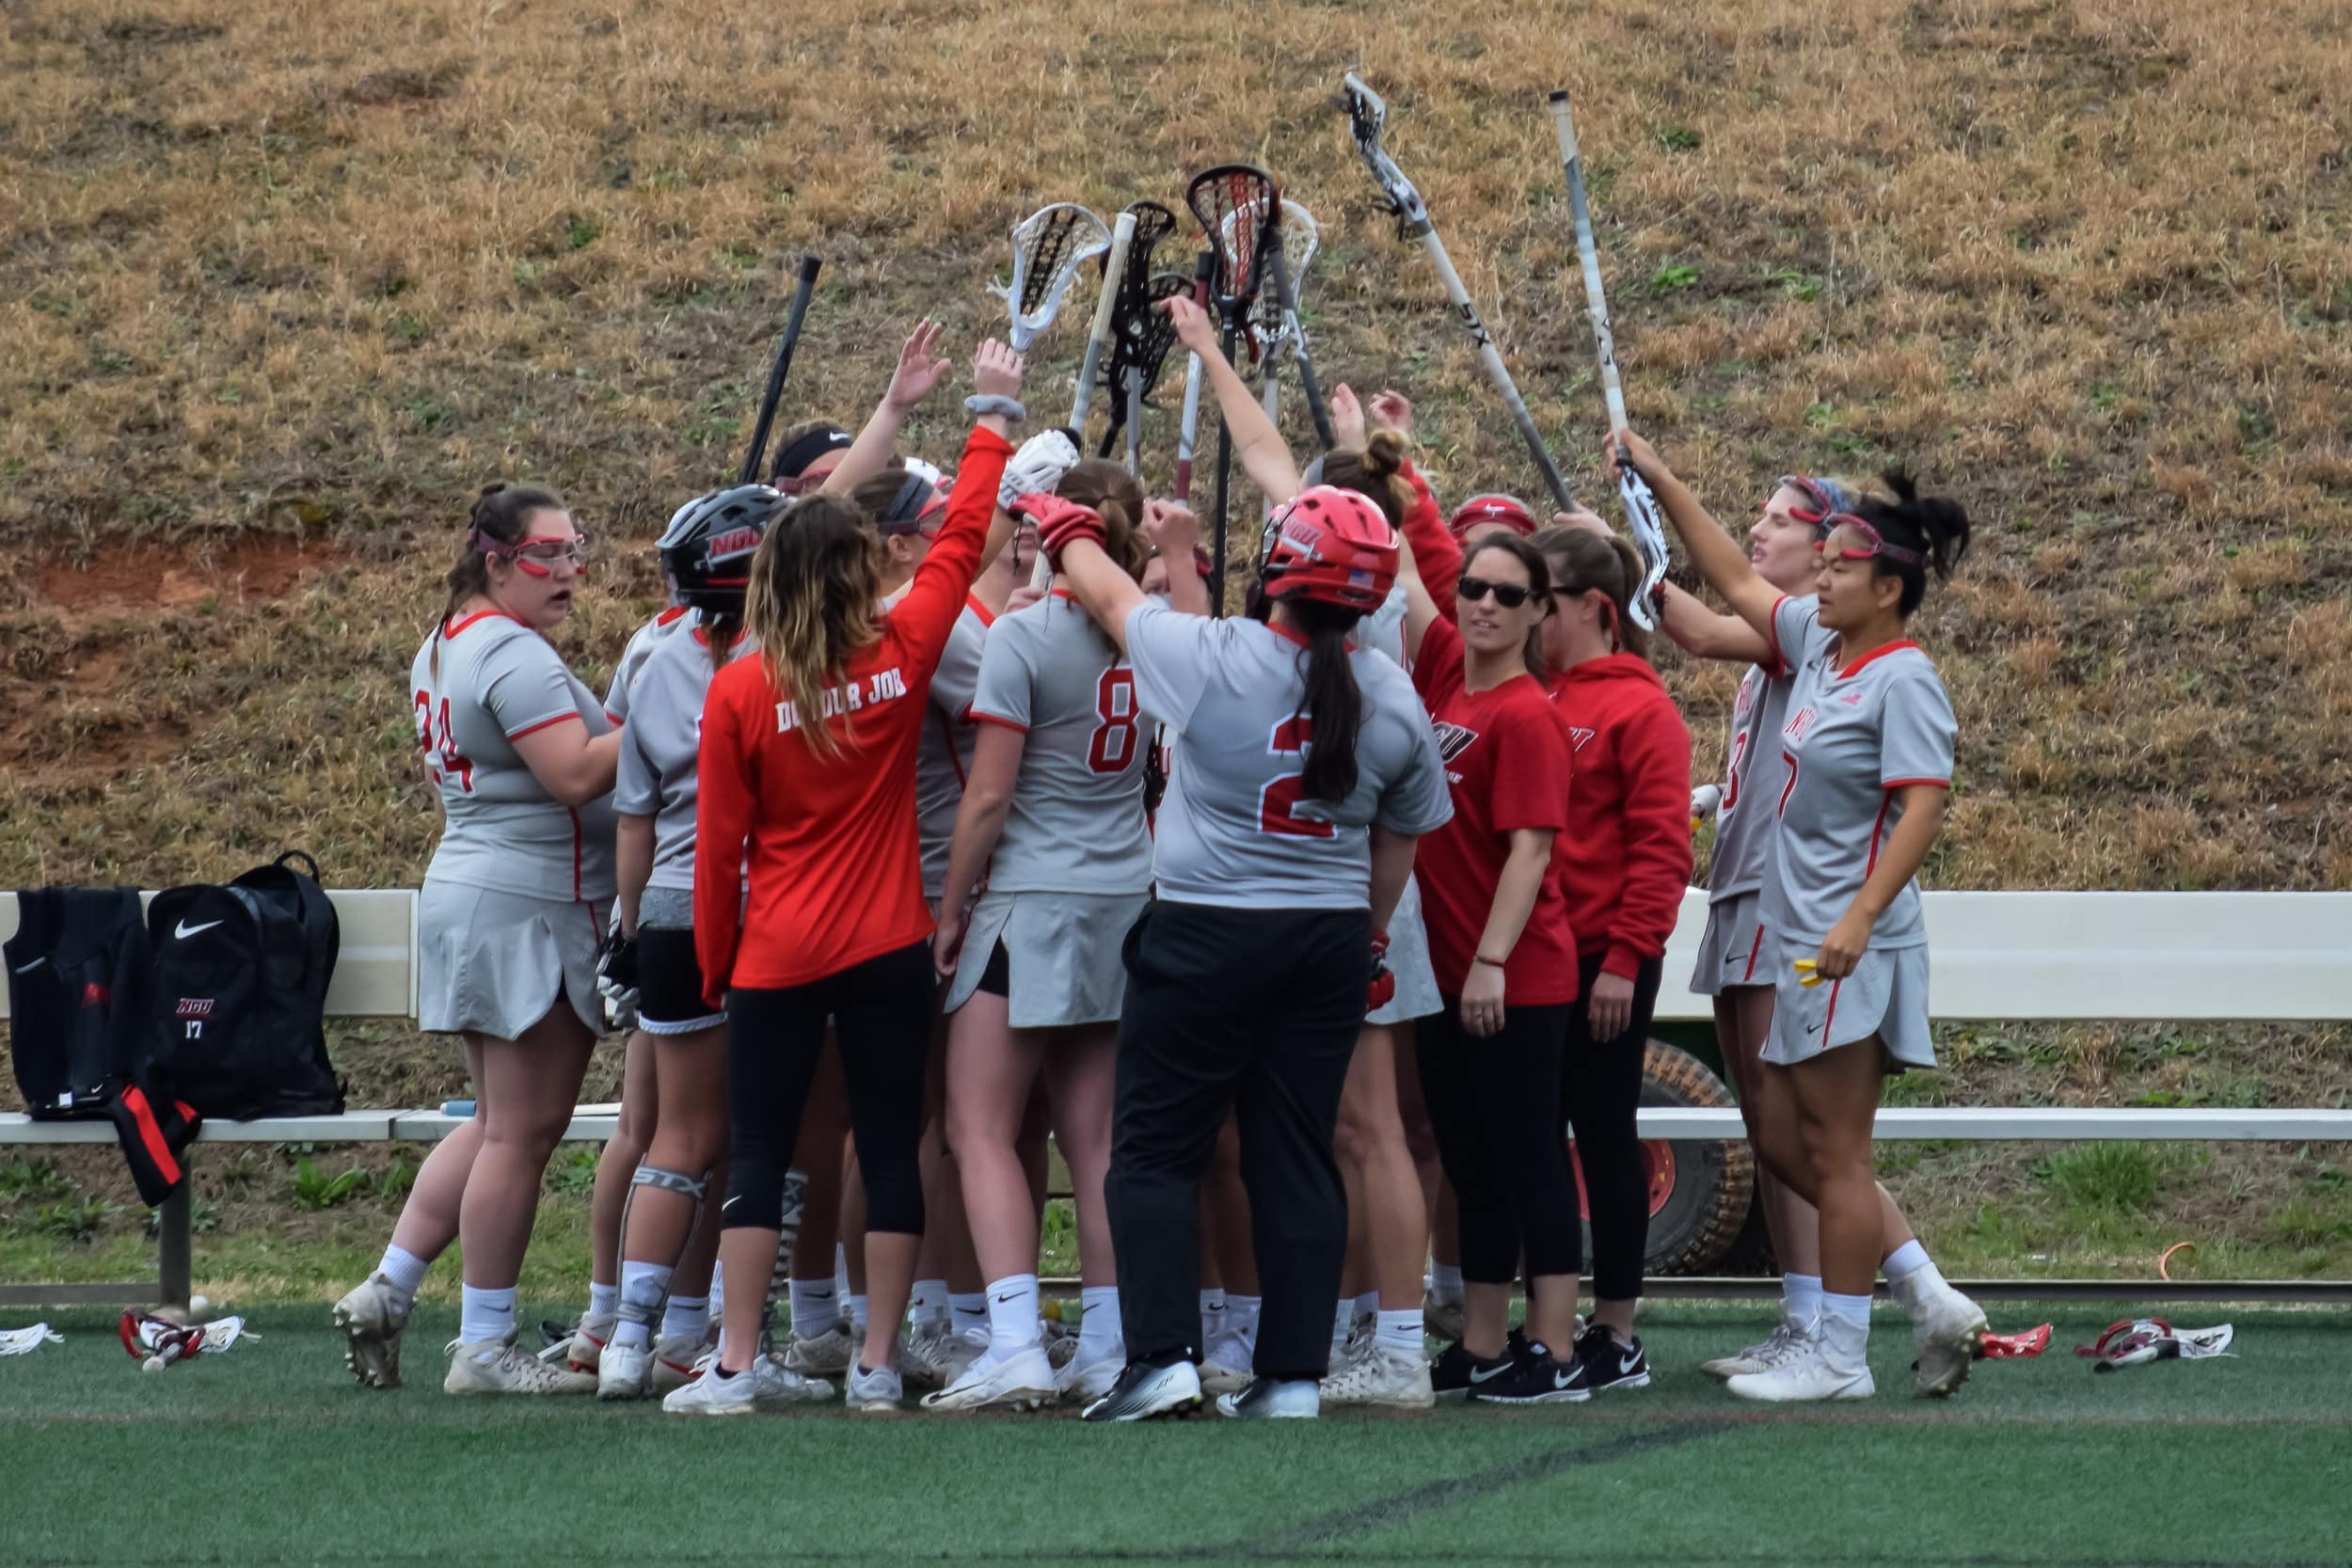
<point>317,270</point>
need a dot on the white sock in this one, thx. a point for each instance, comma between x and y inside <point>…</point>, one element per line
<point>1241,1319</point>
<point>485,1315</point>
<point>1343,1322</point>
<point>1211,1316</point>
<point>815,1306</point>
<point>403,1269</point>
<point>970,1310</point>
<point>1368,1303</point>
<point>1906,1260</point>
<point>642,1286</point>
<point>718,1292</point>
<point>841,1273</point>
<point>1445,1283</point>
<point>1099,1331</point>
<point>603,1300</point>
<point>1013,1322</point>
<point>929,1303</point>
<point>857,1314</point>
<point>687,1317</point>
<point>1800,1296</point>
<point>1401,1330</point>
<point>1852,1309</point>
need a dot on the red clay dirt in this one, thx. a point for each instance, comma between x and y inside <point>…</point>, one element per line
<point>239,570</point>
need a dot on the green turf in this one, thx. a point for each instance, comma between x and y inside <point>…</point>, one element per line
<point>266,1455</point>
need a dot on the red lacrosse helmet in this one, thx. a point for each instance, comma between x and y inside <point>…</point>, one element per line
<point>1331,546</point>
<point>1507,510</point>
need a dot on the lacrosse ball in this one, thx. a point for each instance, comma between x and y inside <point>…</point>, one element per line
<point>199,1304</point>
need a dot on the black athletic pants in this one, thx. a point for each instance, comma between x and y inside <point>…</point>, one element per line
<point>1247,1010</point>
<point>1600,1085</point>
<point>1494,1105</point>
<point>881,1012</point>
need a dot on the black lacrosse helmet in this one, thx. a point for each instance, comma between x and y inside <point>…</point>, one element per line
<point>707,550</point>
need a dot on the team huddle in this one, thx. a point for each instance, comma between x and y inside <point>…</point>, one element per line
<point>935,818</point>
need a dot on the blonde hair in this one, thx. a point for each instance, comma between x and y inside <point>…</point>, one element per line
<point>811,604</point>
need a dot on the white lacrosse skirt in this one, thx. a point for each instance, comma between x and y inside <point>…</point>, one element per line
<point>1886,995</point>
<point>494,963</point>
<point>1408,962</point>
<point>1061,955</point>
<point>1735,950</point>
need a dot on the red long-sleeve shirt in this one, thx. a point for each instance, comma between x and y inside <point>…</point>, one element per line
<point>836,871</point>
<point>1625,859</point>
<point>1436,554</point>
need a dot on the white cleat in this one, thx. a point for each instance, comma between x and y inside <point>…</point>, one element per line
<point>502,1367</point>
<point>677,1359</point>
<point>713,1395</point>
<point>1382,1375</point>
<point>1789,1336</point>
<point>1831,1364</point>
<point>1090,1382</point>
<point>826,1354</point>
<point>1946,1330</point>
<point>624,1371</point>
<point>584,1351</point>
<point>1022,1381</point>
<point>880,1392</point>
<point>371,1319</point>
<point>936,1355</point>
<point>1226,1369</point>
<point>1294,1399</point>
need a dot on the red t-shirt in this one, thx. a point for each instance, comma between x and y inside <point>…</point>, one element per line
<point>836,870</point>
<point>1508,761</point>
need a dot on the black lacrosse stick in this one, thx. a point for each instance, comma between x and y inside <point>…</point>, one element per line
<point>1238,206</point>
<point>1140,352</point>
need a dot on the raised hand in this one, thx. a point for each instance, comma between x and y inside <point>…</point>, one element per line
<point>1194,328</point>
<point>1349,431</point>
<point>917,371</point>
<point>1172,527</point>
<point>996,369</point>
<point>1647,462</point>
<point>1392,410</point>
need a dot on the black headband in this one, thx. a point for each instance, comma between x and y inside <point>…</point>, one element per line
<point>794,460</point>
<point>904,514</point>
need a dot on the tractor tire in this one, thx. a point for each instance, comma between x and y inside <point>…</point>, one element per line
<point>1750,1255</point>
<point>1701,1191</point>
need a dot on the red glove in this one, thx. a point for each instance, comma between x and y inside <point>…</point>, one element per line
<point>1058,522</point>
<point>1383,988</point>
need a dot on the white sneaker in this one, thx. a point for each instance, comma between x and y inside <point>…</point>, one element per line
<point>1787,1337</point>
<point>1443,1319</point>
<point>584,1351</point>
<point>880,1392</point>
<point>773,1383</point>
<point>1293,1399</point>
<point>1831,1364</point>
<point>1226,1369</point>
<point>502,1367</point>
<point>936,1355</point>
<point>1382,1375</point>
<point>372,1318</point>
<point>1945,1329</point>
<point>677,1358</point>
<point>1022,1381</point>
<point>1092,1380</point>
<point>826,1354</point>
<point>713,1395</point>
<point>624,1371</point>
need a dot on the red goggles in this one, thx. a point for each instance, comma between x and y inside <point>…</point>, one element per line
<point>1876,542</point>
<point>537,557</point>
<point>1823,499</point>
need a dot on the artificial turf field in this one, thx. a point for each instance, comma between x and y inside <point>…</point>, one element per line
<point>267,1454</point>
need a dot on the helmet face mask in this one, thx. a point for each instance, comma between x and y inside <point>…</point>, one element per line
<point>1328,545</point>
<point>707,549</point>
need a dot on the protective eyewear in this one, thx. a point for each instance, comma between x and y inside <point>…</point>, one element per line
<point>1510,596</point>
<point>1823,498</point>
<point>1876,542</point>
<point>539,557</point>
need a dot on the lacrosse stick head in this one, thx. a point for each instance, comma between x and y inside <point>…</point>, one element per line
<point>1238,206</point>
<point>1153,223</point>
<point>1295,229</point>
<point>1048,248</point>
<point>1367,115</point>
<point>1146,335</point>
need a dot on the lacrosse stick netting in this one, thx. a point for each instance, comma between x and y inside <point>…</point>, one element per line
<point>1048,248</point>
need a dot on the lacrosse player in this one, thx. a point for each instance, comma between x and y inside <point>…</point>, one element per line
<point>522,757</point>
<point>1870,742</point>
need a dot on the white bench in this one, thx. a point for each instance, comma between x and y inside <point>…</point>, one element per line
<point>2242,956</point>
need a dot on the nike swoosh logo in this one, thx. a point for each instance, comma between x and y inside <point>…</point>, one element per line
<point>728,1204</point>
<point>1812,1028</point>
<point>1627,1363</point>
<point>1015,1295</point>
<point>184,930</point>
<point>1487,1374</point>
<point>35,964</point>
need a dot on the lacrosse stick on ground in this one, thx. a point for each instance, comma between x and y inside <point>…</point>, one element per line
<point>1367,114</point>
<point>1099,343</point>
<point>156,1341</point>
<point>754,459</point>
<point>1048,248</point>
<point>1641,507</point>
<point>1187,434</point>
<point>1278,314</point>
<point>1238,206</point>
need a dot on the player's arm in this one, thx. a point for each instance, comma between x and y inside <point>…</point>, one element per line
<point>725,803</point>
<point>1700,632</point>
<point>632,866</point>
<point>1175,534</point>
<point>1391,867</point>
<point>569,764</point>
<point>910,382</point>
<point>1523,872</point>
<point>1258,446</point>
<point>1103,586</point>
<point>979,822</point>
<point>1420,608</point>
<point>1714,552</point>
<point>1904,853</point>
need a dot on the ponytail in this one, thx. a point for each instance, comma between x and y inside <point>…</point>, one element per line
<point>1113,493</point>
<point>501,515</point>
<point>720,629</point>
<point>1377,473</point>
<point>1934,526</point>
<point>1330,700</point>
<point>1582,559</point>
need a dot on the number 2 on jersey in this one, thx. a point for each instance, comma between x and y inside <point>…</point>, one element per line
<point>1113,744</point>
<point>441,757</point>
<point>1278,802</point>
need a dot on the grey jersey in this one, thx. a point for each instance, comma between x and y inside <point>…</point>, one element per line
<point>660,746</point>
<point>640,646</point>
<point>1235,828</point>
<point>498,681</point>
<point>1857,731</point>
<point>1752,777</point>
<point>942,756</point>
<point>1077,823</point>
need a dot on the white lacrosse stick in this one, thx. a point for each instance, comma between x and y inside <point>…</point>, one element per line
<point>1048,247</point>
<point>24,1342</point>
<point>1278,334</point>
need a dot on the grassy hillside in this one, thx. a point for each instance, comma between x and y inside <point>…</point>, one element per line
<point>283,285</point>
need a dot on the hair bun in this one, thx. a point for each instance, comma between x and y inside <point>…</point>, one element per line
<point>1384,453</point>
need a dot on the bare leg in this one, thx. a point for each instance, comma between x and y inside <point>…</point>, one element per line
<point>632,1132</point>
<point>990,1070</point>
<point>1837,1098</point>
<point>428,1221</point>
<point>690,1139</point>
<point>1079,1072</point>
<point>1743,1020</point>
<point>532,1085</point>
<point>1387,1187</point>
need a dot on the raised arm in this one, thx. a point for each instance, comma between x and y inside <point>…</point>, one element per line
<point>1700,632</point>
<point>1175,534</point>
<point>1717,555</point>
<point>1256,442</point>
<point>918,373</point>
<point>1101,585</point>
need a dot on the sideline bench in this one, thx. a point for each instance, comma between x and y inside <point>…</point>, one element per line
<point>2144,956</point>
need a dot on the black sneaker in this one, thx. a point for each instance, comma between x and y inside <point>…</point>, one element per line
<point>1531,1378</point>
<point>1608,1364</point>
<point>1145,1391</point>
<point>1449,1374</point>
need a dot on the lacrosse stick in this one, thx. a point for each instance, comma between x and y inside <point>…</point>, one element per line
<point>1099,335</point>
<point>1641,507</point>
<point>24,1342</point>
<point>1145,333</point>
<point>155,1341</point>
<point>1277,316</point>
<point>1188,433</point>
<point>757,456</point>
<point>1238,206</point>
<point>1368,114</point>
<point>1048,247</point>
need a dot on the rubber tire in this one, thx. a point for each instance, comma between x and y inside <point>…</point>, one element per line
<point>1694,1221</point>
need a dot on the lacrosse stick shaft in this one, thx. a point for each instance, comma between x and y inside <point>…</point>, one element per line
<point>1286,295</point>
<point>769,400</point>
<point>1188,434</point>
<point>1224,483</point>
<point>1099,338</point>
<point>1135,422</point>
<point>1497,371</point>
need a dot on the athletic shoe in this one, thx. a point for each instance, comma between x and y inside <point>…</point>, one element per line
<point>1831,1364</point>
<point>923,1363</point>
<point>826,1354</point>
<point>880,1392</point>
<point>1022,1381</point>
<point>1529,1377</point>
<point>1945,1329</point>
<point>1143,1391</point>
<point>371,1319</point>
<point>625,1373</point>
<point>713,1395</point>
<point>1443,1319</point>
<point>584,1351</point>
<point>1608,1364</point>
<point>502,1367</point>
<point>1787,1336</point>
<point>1226,1369</point>
<point>1092,1380</point>
<point>1449,1375</point>
<point>1382,1375</point>
<point>676,1360</point>
<point>773,1383</point>
<point>1273,1399</point>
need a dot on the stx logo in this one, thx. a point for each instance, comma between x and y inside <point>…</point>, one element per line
<point>194,1006</point>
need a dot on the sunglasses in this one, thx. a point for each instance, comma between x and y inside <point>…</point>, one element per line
<point>1876,542</point>
<point>1510,596</point>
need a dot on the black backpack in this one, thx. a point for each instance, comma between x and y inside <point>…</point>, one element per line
<point>238,994</point>
<point>77,997</point>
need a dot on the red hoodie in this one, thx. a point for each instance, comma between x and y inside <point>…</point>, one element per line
<point>1626,857</point>
<point>1436,554</point>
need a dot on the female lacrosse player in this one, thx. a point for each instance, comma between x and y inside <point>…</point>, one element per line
<point>807,763</point>
<point>1054,804</point>
<point>1868,740</point>
<point>1623,866</point>
<point>522,757</point>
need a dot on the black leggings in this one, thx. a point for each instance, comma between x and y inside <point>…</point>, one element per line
<point>1494,1105</point>
<point>881,1012</point>
<point>1600,1084</point>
